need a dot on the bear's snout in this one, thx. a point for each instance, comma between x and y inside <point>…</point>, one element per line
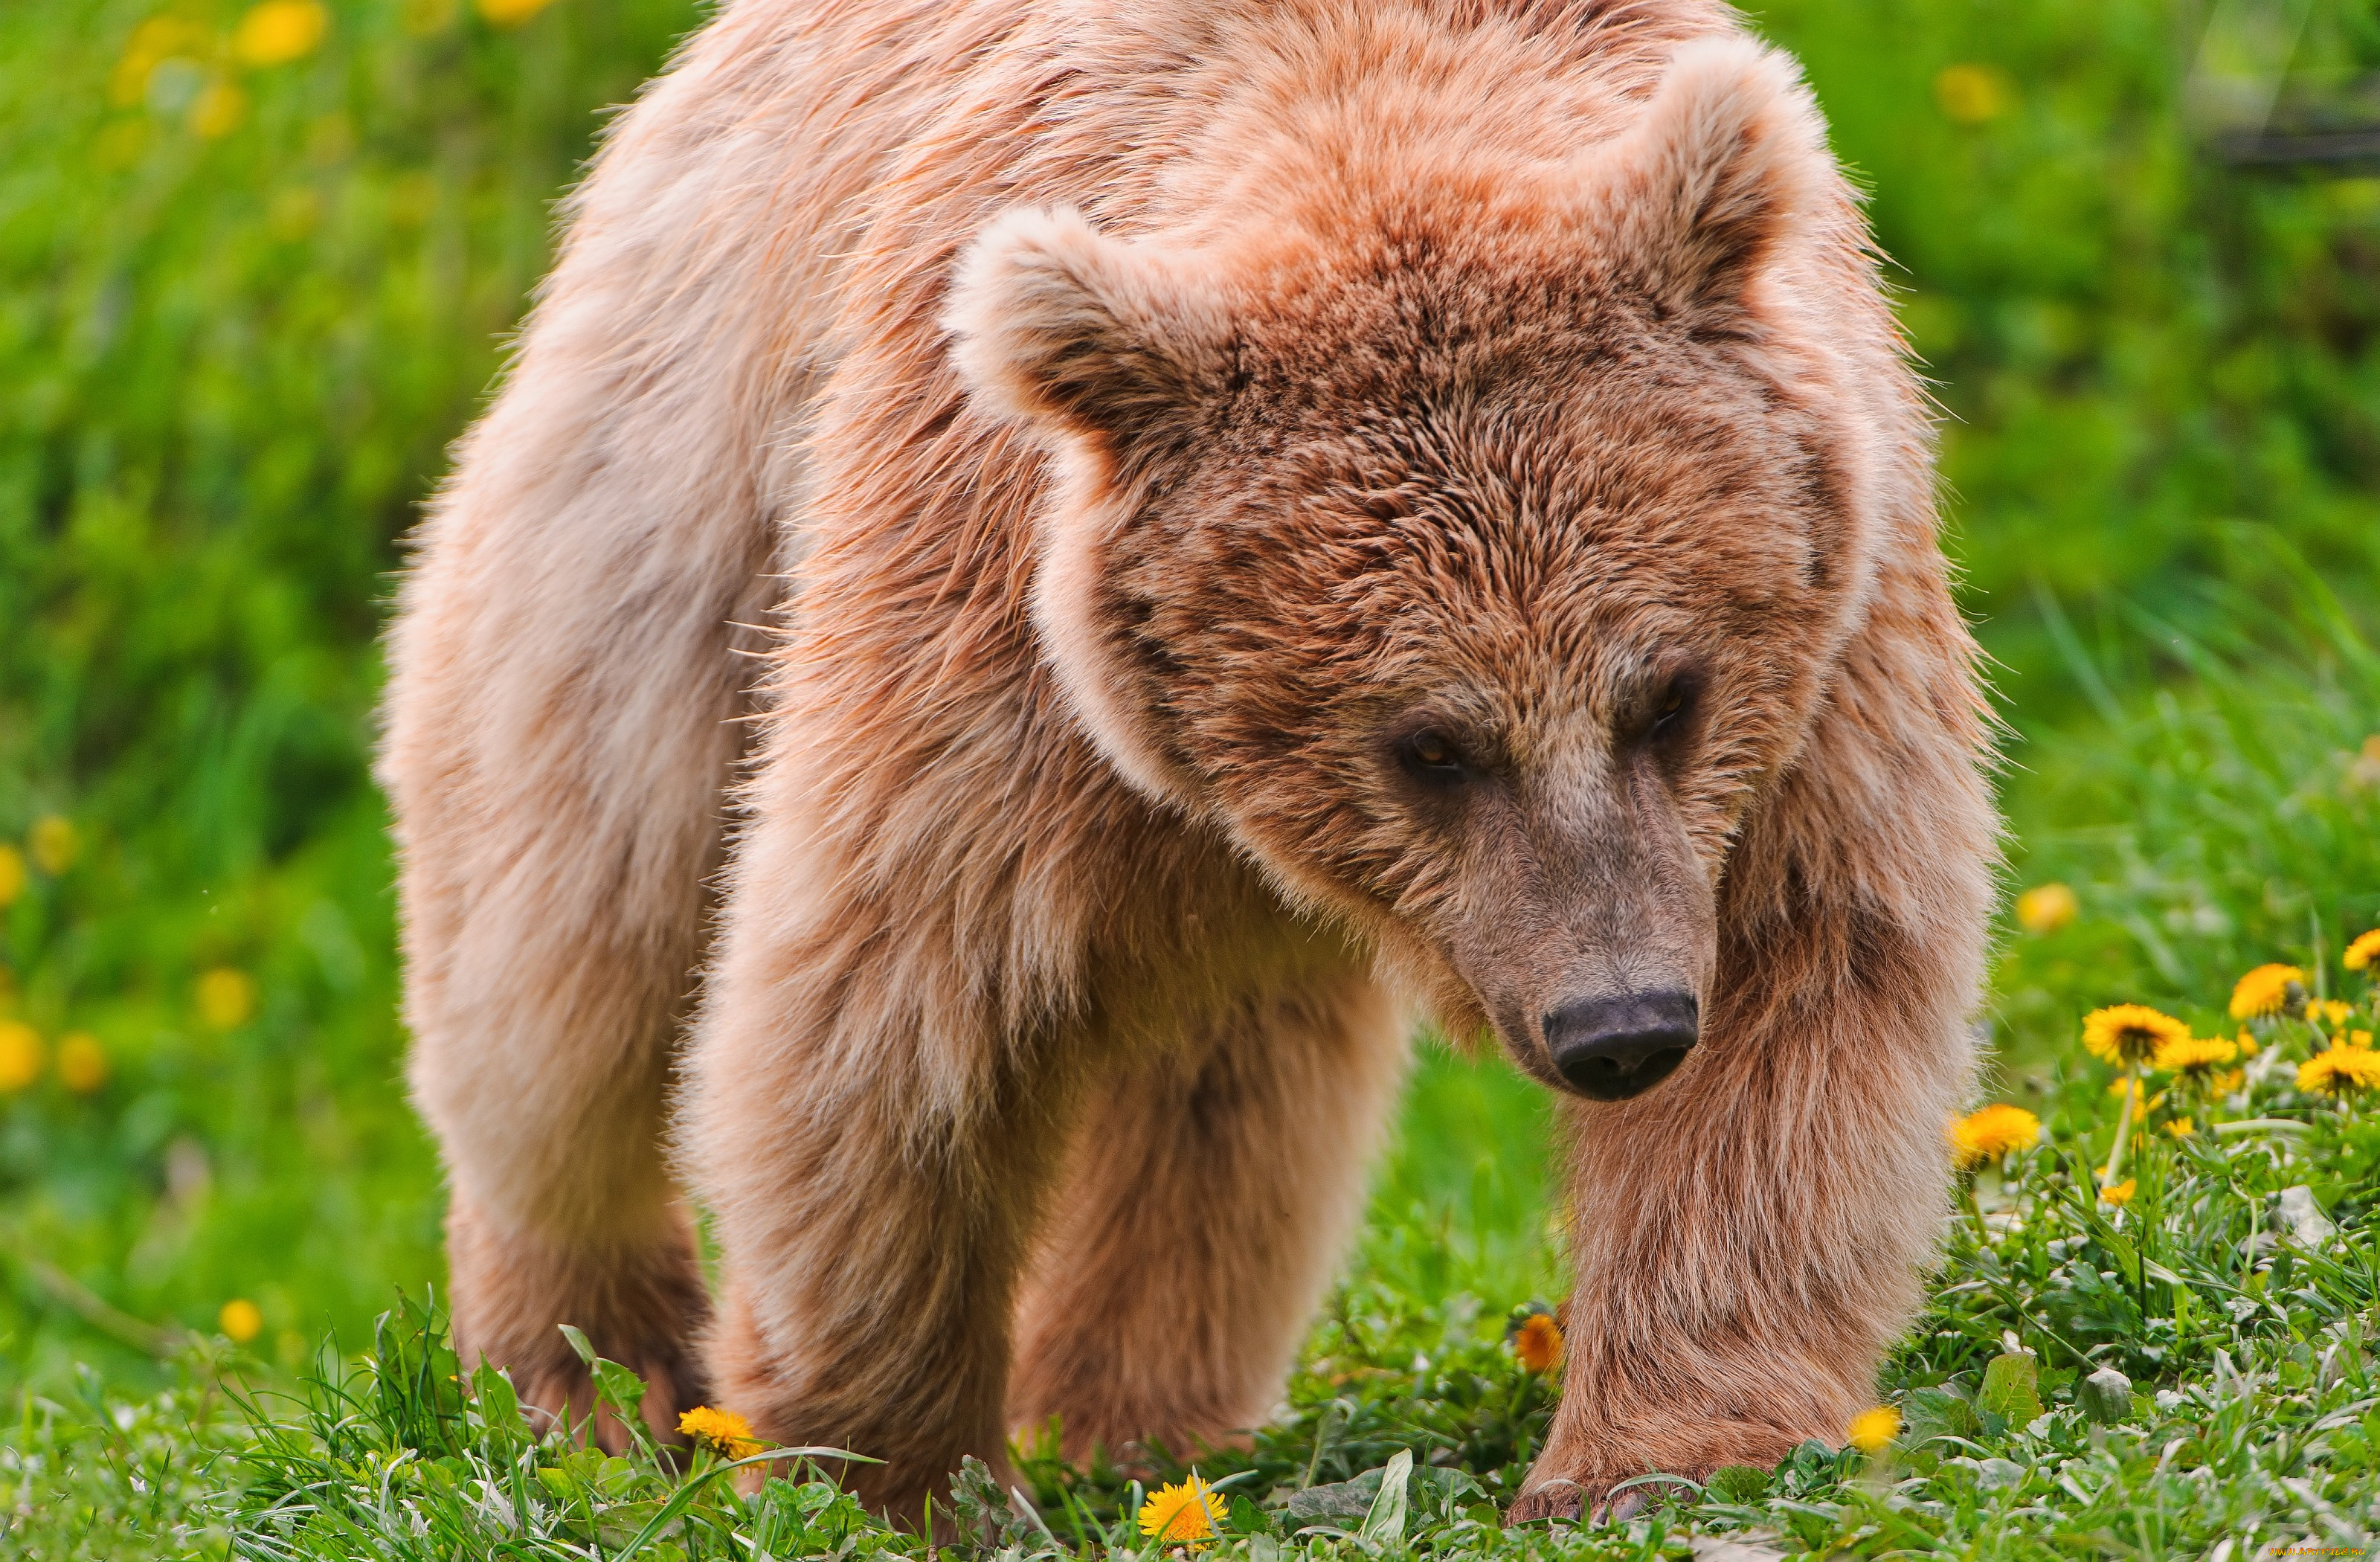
<point>1612,1048</point>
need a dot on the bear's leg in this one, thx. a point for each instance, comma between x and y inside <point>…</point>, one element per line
<point>871,1246</point>
<point>872,1127</point>
<point>640,1305</point>
<point>1750,1235</point>
<point>561,725</point>
<point>546,1094</point>
<point>1207,1196</point>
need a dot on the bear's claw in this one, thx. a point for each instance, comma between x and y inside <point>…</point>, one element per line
<point>1557,1498</point>
<point>1560,1498</point>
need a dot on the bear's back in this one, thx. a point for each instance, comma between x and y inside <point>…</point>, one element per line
<point>798,183</point>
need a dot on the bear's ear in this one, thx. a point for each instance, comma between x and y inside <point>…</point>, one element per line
<point>1059,326</point>
<point>1709,189</point>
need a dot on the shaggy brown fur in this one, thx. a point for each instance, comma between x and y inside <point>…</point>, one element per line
<point>1287,503</point>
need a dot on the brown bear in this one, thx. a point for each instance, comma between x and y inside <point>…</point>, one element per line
<point>1048,579</point>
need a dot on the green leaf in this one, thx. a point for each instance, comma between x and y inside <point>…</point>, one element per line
<point>621,1391</point>
<point>1737,1483</point>
<point>2128,1257</point>
<point>499,1406</point>
<point>418,1391</point>
<point>617,1389</point>
<point>1939,1412</point>
<point>1813,1463</point>
<point>2012,1387</point>
<point>1341,1500</point>
<point>499,1412</point>
<point>1385,1525</point>
<point>1246,1517</point>
<point>2105,1396</point>
<point>693,1488</point>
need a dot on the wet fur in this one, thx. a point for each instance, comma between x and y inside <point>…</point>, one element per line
<point>1116,421</point>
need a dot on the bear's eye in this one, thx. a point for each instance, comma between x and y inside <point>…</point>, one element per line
<point>1432,756</point>
<point>1668,713</point>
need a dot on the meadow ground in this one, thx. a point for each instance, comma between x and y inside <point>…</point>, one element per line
<point>255,265</point>
<point>2165,1357</point>
<point>2182,1369</point>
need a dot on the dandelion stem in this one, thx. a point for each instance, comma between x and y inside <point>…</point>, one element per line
<point>2123,1126</point>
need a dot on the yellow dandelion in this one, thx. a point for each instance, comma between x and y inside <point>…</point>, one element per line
<point>511,13</point>
<point>2246,1044</point>
<point>54,844</point>
<point>2341,1071</point>
<point>242,1319</point>
<point>2359,954</point>
<point>82,1063</point>
<point>2046,907</point>
<point>20,1055</point>
<point>1972,93</point>
<point>2125,1035</point>
<point>12,874</point>
<point>280,31</point>
<point>2334,1013</point>
<point>2265,990</point>
<point>2181,1127</point>
<point>1872,1429</point>
<point>1187,1512</point>
<point>226,998</point>
<point>166,35</point>
<point>154,39</point>
<point>2142,1106</point>
<point>722,1431</point>
<point>2118,1194</point>
<point>220,110</point>
<point>423,18</point>
<point>2195,1057</point>
<point>1538,1343</point>
<point>1988,1134</point>
<point>2224,1084</point>
<point>129,79</point>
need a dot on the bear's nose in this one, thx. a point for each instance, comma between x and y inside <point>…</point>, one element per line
<point>1612,1048</point>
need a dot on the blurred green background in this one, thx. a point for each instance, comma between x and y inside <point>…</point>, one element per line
<point>257,264</point>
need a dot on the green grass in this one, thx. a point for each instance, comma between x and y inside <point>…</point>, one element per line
<point>232,365</point>
<point>234,361</point>
<point>2206,825</point>
<point>2227,1326</point>
<point>2251,1416</point>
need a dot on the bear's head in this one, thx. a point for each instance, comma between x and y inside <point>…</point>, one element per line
<point>1472,546</point>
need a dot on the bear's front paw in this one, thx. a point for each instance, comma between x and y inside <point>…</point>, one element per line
<point>1558,1497</point>
<point>559,1391</point>
<point>1611,1478</point>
